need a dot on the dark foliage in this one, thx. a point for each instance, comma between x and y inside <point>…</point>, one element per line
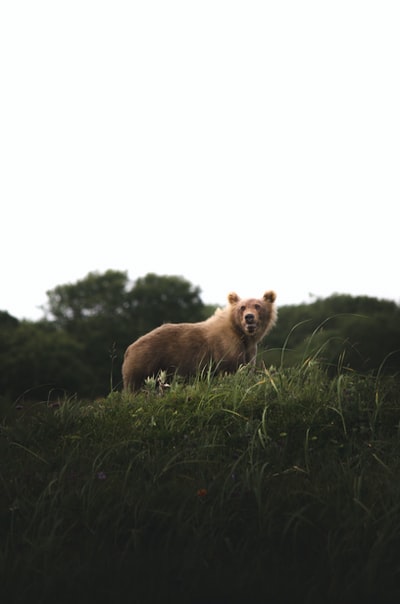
<point>361,333</point>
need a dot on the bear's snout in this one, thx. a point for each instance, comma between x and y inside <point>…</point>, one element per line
<point>250,322</point>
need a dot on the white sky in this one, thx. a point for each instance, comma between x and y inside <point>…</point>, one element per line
<point>244,145</point>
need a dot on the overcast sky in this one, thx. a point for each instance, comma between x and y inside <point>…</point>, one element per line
<point>245,145</point>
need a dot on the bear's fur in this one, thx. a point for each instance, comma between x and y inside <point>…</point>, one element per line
<point>226,340</point>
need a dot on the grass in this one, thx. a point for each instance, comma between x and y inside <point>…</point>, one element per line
<point>274,486</point>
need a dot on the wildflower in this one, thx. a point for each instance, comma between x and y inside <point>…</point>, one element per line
<point>101,475</point>
<point>201,493</point>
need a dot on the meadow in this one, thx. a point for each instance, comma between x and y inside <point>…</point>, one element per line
<point>279,485</point>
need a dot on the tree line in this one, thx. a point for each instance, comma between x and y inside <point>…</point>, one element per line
<point>78,345</point>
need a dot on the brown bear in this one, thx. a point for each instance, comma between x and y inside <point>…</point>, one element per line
<point>225,341</point>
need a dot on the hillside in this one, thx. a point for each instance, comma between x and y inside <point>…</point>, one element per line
<point>275,486</point>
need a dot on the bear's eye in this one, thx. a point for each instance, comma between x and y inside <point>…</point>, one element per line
<point>257,306</point>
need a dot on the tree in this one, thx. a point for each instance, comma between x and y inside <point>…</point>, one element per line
<point>95,295</point>
<point>359,332</point>
<point>7,321</point>
<point>37,358</point>
<point>156,299</point>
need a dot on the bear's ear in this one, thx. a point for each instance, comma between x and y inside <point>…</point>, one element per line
<point>233,298</point>
<point>269,296</point>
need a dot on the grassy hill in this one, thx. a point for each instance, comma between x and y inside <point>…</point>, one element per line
<point>274,486</point>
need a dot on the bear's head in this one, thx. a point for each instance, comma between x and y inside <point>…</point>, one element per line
<point>252,316</point>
